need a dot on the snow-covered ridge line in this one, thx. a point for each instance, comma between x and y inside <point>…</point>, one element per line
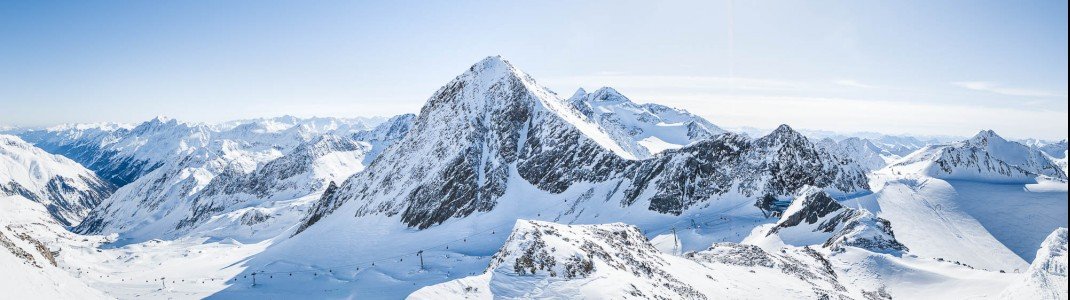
<point>984,157</point>
<point>250,182</point>
<point>493,121</point>
<point>814,218</point>
<point>862,151</point>
<point>1046,277</point>
<point>641,129</point>
<point>616,261</point>
<point>286,199</point>
<point>64,187</point>
<point>122,154</point>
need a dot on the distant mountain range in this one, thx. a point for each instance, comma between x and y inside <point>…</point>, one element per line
<point>500,188</point>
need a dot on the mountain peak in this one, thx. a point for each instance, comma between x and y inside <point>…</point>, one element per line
<point>985,137</point>
<point>155,123</point>
<point>161,119</point>
<point>496,59</point>
<point>985,157</point>
<point>489,72</point>
<point>603,94</point>
<point>987,133</point>
<point>495,66</point>
<point>783,133</point>
<point>608,94</point>
<point>580,93</point>
<point>783,128</point>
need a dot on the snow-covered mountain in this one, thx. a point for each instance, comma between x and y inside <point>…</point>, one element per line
<point>898,146</point>
<point>862,151</point>
<point>41,194</point>
<point>499,188</point>
<point>547,260</point>
<point>1047,276</point>
<point>641,129</point>
<point>1056,149</point>
<point>493,127</point>
<point>246,182</point>
<point>984,157</point>
<point>66,189</point>
<point>814,218</point>
<point>986,225</point>
<point>891,147</point>
<point>120,153</point>
<point>615,261</point>
<point>123,153</point>
<point>30,248</point>
<point>492,146</point>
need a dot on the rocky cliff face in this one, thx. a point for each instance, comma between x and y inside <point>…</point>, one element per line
<point>468,139</point>
<point>814,218</point>
<point>984,157</point>
<point>548,260</point>
<point>493,127</point>
<point>776,165</point>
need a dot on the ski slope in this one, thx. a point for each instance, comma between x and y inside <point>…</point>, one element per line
<point>993,226</point>
<point>28,236</point>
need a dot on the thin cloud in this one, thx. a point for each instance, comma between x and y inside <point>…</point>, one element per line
<point>832,104</point>
<point>852,83</point>
<point>1006,91</point>
<point>855,114</point>
<point>678,82</point>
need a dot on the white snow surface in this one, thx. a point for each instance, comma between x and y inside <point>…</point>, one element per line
<point>863,151</point>
<point>993,226</point>
<point>64,186</point>
<point>32,167</point>
<point>614,261</point>
<point>90,267</point>
<point>212,207</point>
<point>253,182</point>
<point>552,261</point>
<point>986,157</point>
<point>26,272</point>
<point>1047,276</point>
<point>641,129</point>
<point>814,218</point>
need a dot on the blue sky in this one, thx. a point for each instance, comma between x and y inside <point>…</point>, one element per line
<point>921,67</point>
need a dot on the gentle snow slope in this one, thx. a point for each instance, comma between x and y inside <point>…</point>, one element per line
<point>27,264</point>
<point>1046,277</point>
<point>641,129</point>
<point>985,225</point>
<point>615,261</point>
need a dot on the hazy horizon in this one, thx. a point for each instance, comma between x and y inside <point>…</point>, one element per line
<point>896,68</point>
